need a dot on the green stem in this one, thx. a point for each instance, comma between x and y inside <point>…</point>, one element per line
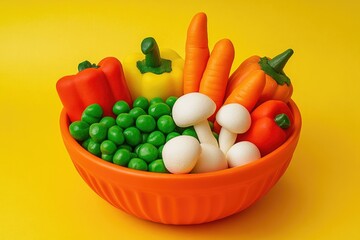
<point>274,67</point>
<point>278,63</point>
<point>86,64</point>
<point>152,62</point>
<point>282,120</point>
<point>150,48</point>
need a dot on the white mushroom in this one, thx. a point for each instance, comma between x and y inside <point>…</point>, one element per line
<point>211,159</point>
<point>193,109</point>
<point>242,153</point>
<point>180,154</point>
<point>234,119</point>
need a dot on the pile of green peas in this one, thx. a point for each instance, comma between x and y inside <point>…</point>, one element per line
<point>135,137</point>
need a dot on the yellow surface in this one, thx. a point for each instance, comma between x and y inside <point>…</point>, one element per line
<point>43,197</point>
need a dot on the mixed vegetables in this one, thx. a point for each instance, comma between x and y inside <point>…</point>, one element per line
<point>161,113</point>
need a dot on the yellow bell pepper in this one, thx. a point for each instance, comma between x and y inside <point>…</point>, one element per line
<point>154,76</point>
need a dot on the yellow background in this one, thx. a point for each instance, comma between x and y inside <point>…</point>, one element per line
<point>43,197</point>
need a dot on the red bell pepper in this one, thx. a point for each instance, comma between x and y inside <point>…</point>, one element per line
<point>271,125</point>
<point>103,84</point>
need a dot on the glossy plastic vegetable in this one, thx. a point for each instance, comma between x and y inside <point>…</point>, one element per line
<point>122,157</point>
<point>166,124</point>
<point>121,107</point>
<point>233,119</point>
<point>248,91</point>
<point>196,53</point>
<point>160,74</point>
<point>215,78</point>
<point>278,86</point>
<point>146,123</point>
<point>156,138</point>
<point>79,130</point>
<point>148,152</point>
<point>92,114</point>
<point>103,84</point>
<point>98,132</point>
<point>158,166</point>
<point>138,164</point>
<point>180,154</point>
<point>193,109</point>
<point>271,125</point>
<point>141,102</point>
<point>211,159</point>
<point>159,109</point>
<point>242,153</point>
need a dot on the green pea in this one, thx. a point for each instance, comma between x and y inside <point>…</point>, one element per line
<point>108,147</point>
<point>171,135</point>
<point>170,101</point>
<point>145,123</point>
<point>156,138</point>
<point>121,107</point>
<point>79,130</point>
<point>159,109</point>
<point>122,157</point>
<point>94,148</point>
<point>108,121</point>
<point>166,124</point>
<point>92,113</point>
<point>156,100</point>
<point>148,152</point>
<point>190,132</point>
<point>98,132</point>
<point>136,112</point>
<point>138,164</point>
<point>115,134</point>
<point>160,149</point>
<point>85,143</point>
<point>132,136</point>
<point>141,102</point>
<point>124,120</point>
<point>158,166</point>
<point>107,157</point>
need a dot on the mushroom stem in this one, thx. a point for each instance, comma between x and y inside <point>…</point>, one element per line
<point>226,139</point>
<point>204,133</point>
<point>211,159</point>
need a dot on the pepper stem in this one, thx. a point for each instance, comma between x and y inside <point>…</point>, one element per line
<point>278,63</point>
<point>282,120</point>
<point>153,62</point>
<point>86,64</point>
<point>274,67</point>
<point>150,48</point>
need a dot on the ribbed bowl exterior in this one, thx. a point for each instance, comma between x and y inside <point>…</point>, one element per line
<point>182,199</point>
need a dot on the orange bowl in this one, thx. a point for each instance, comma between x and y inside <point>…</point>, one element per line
<point>187,198</point>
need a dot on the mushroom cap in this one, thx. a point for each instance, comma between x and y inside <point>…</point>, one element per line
<point>234,117</point>
<point>180,154</point>
<point>242,153</point>
<point>192,108</point>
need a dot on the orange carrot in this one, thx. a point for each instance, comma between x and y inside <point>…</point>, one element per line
<point>214,80</point>
<point>196,53</point>
<point>248,91</point>
<point>241,72</point>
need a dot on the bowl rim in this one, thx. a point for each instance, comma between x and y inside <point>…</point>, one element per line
<point>65,121</point>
